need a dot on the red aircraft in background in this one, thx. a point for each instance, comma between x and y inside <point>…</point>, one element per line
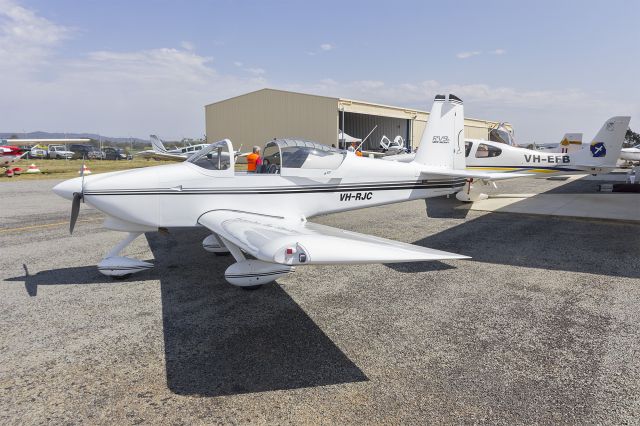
<point>8,155</point>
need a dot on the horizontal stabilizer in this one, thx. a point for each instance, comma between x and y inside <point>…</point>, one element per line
<point>293,243</point>
<point>471,174</point>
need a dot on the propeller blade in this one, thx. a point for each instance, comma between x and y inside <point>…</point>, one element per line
<point>75,210</point>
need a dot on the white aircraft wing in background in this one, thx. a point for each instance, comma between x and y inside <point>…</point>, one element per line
<point>295,242</point>
<point>160,155</point>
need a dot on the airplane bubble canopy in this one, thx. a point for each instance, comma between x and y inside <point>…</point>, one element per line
<point>301,154</point>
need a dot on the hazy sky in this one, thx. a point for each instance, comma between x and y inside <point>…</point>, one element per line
<point>131,68</point>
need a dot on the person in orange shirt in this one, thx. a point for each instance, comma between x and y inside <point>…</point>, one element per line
<point>354,148</point>
<point>253,159</point>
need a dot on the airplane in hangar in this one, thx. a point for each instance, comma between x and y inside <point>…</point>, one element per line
<point>600,157</point>
<point>265,215</point>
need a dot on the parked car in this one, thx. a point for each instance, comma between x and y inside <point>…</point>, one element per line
<point>38,151</point>
<point>114,154</point>
<point>59,151</point>
<point>86,151</point>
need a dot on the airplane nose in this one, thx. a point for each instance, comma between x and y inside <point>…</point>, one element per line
<point>67,188</point>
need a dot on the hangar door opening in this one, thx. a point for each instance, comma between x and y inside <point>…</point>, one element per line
<point>360,125</point>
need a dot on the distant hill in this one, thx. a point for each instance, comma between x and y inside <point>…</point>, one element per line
<point>48,135</point>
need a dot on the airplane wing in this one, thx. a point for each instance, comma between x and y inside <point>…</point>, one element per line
<point>160,155</point>
<point>282,241</point>
<point>471,174</point>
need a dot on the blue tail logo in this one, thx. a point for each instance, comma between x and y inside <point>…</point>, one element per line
<point>598,149</point>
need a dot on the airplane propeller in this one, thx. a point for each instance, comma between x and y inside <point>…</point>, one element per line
<point>75,204</point>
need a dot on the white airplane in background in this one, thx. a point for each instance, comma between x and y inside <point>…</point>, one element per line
<point>265,215</point>
<point>570,142</point>
<point>159,152</point>
<point>601,157</point>
<point>630,155</point>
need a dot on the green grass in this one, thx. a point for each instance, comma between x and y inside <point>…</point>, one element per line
<point>65,169</point>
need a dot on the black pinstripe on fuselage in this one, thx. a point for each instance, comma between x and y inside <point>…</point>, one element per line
<point>302,189</point>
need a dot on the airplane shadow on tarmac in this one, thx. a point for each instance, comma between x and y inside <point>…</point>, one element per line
<point>222,340</point>
<point>545,242</point>
<point>62,276</point>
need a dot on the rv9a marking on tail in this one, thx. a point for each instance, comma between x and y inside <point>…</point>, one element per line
<point>551,159</point>
<point>356,196</point>
<point>440,139</point>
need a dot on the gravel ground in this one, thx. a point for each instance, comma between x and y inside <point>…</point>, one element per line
<point>541,326</point>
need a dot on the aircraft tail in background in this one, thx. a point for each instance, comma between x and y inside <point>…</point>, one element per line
<point>605,147</point>
<point>158,146</point>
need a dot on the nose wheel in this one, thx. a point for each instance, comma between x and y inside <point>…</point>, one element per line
<point>119,267</point>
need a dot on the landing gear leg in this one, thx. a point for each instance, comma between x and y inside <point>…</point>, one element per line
<point>214,244</point>
<point>119,267</point>
<point>472,192</point>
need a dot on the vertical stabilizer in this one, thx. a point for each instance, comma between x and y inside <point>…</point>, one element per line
<point>442,143</point>
<point>158,146</point>
<point>605,148</point>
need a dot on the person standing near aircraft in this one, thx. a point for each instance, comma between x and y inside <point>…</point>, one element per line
<point>253,159</point>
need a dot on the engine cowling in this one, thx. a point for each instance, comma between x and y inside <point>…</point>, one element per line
<point>255,272</point>
<point>212,245</point>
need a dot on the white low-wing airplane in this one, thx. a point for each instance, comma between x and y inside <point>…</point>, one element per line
<point>264,215</point>
<point>496,157</point>
<point>630,155</point>
<point>159,152</point>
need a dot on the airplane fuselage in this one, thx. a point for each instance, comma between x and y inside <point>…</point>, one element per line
<point>176,195</point>
<point>501,157</point>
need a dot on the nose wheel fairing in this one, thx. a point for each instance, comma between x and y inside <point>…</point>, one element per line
<point>116,266</point>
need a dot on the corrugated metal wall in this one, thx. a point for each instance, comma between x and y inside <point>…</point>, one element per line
<point>359,126</point>
<point>258,117</point>
<point>473,129</point>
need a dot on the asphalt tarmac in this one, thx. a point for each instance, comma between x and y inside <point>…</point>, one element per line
<point>541,326</point>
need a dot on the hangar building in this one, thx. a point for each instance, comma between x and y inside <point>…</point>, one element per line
<point>258,117</point>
